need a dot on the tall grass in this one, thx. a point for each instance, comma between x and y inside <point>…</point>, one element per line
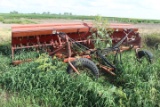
<point>44,82</point>
<point>52,86</point>
<point>152,40</point>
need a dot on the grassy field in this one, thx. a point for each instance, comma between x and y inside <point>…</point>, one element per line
<point>45,83</point>
<point>23,18</point>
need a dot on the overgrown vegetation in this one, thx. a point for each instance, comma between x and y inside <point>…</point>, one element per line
<point>44,82</point>
<point>103,33</point>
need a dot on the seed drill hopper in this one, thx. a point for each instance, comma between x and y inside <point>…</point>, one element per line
<point>59,39</point>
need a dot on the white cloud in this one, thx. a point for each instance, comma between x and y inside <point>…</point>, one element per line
<point>118,8</point>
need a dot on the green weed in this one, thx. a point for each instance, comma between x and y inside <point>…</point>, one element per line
<point>45,83</point>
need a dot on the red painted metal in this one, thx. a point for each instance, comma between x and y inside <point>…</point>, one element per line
<point>47,29</point>
<point>44,35</point>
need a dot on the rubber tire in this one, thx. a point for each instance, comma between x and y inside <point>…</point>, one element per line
<point>145,53</point>
<point>84,62</point>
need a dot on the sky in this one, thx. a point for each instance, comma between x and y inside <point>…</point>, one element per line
<point>144,9</point>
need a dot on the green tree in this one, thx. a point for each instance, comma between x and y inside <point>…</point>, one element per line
<point>14,12</point>
<point>102,34</point>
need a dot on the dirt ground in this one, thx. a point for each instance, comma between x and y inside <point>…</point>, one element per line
<point>5,29</point>
<point>148,28</point>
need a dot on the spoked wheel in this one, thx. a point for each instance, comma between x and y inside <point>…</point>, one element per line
<point>84,65</point>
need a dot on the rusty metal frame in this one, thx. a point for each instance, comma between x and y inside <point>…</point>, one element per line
<point>46,35</point>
